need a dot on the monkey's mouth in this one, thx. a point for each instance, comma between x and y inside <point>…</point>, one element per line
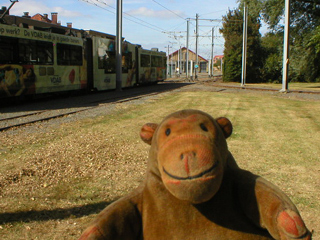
<point>191,177</point>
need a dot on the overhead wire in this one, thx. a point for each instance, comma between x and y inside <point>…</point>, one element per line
<point>168,9</point>
<point>102,2</point>
<point>145,23</point>
<point>212,12</point>
<point>92,3</point>
<point>142,22</point>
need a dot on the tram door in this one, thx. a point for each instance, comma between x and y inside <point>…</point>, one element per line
<point>137,64</point>
<point>89,56</point>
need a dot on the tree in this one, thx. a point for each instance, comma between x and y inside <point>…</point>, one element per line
<point>217,64</point>
<point>232,31</point>
<point>272,66</point>
<point>304,13</point>
<point>304,18</point>
<point>309,71</point>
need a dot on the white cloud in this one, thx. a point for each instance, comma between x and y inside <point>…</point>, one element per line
<point>34,7</point>
<point>31,6</point>
<point>66,13</point>
<point>146,12</point>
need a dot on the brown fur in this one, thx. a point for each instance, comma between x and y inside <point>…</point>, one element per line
<point>194,190</point>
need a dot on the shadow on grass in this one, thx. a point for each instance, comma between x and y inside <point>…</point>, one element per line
<point>55,214</point>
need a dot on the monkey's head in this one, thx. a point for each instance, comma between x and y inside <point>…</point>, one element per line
<point>189,153</point>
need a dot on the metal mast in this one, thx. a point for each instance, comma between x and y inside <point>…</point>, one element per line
<point>212,47</point>
<point>197,34</point>
<point>119,46</point>
<point>285,64</point>
<point>187,53</point>
<point>244,47</point>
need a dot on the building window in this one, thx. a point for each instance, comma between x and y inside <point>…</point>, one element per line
<point>203,66</point>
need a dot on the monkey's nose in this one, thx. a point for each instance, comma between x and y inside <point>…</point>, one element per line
<point>188,155</point>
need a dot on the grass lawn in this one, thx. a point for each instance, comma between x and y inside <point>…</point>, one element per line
<point>53,181</point>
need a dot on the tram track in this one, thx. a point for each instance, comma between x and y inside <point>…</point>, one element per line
<point>19,116</point>
<point>14,122</point>
<point>19,120</point>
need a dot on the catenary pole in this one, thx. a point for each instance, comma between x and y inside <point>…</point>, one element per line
<point>119,46</point>
<point>244,45</point>
<point>285,64</point>
<point>212,47</point>
<point>197,34</point>
<point>179,51</point>
<point>168,71</point>
<point>187,53</point>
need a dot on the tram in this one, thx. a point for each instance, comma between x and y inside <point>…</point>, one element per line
<point>38,60</point>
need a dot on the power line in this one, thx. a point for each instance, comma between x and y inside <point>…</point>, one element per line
<point>168,9</point>
<point>92,3</point>
<point>177,26</point>
<point>212,12</point>
<point>132,17</point>
<point>151,26</point>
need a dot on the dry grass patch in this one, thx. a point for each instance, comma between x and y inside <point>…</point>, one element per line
<point>53,182</point>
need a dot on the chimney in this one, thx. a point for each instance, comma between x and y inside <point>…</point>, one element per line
<point>26,15</point>
<point>54,17</point>
<point>69,25</point>
<point>45,15</point>
<point>3,10</point>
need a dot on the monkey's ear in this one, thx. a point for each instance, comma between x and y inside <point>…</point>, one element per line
<point>225,125</point>
<point>147,132</point>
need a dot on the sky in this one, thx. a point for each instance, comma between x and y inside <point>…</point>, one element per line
<point>158,24</point>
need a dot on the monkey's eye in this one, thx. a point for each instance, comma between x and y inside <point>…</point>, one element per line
<point>203,127</point>
<point>168,131</point>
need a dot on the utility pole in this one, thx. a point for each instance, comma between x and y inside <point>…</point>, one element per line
<point>187,46</point>
<point>168,64</point>
<point>196,63</point>
<point>119,47</point>
<point>171,68</point>
<point>285,64</point>
<point>197,59</point>
<point>179,51</point>
<point>244,46</point>
<point>212,39</point>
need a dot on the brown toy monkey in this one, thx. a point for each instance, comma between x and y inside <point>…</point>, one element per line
<point>194,190</point>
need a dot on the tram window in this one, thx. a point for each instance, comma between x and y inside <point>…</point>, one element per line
<point>6,50</point>
<point>156,61</point>
<point>35,52</point>
<point>126,62</point>
<point>145,60</point>
<point>108,62</point>
<point>69,54</point>
<point>164,62</point>
<point>45,52</point>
